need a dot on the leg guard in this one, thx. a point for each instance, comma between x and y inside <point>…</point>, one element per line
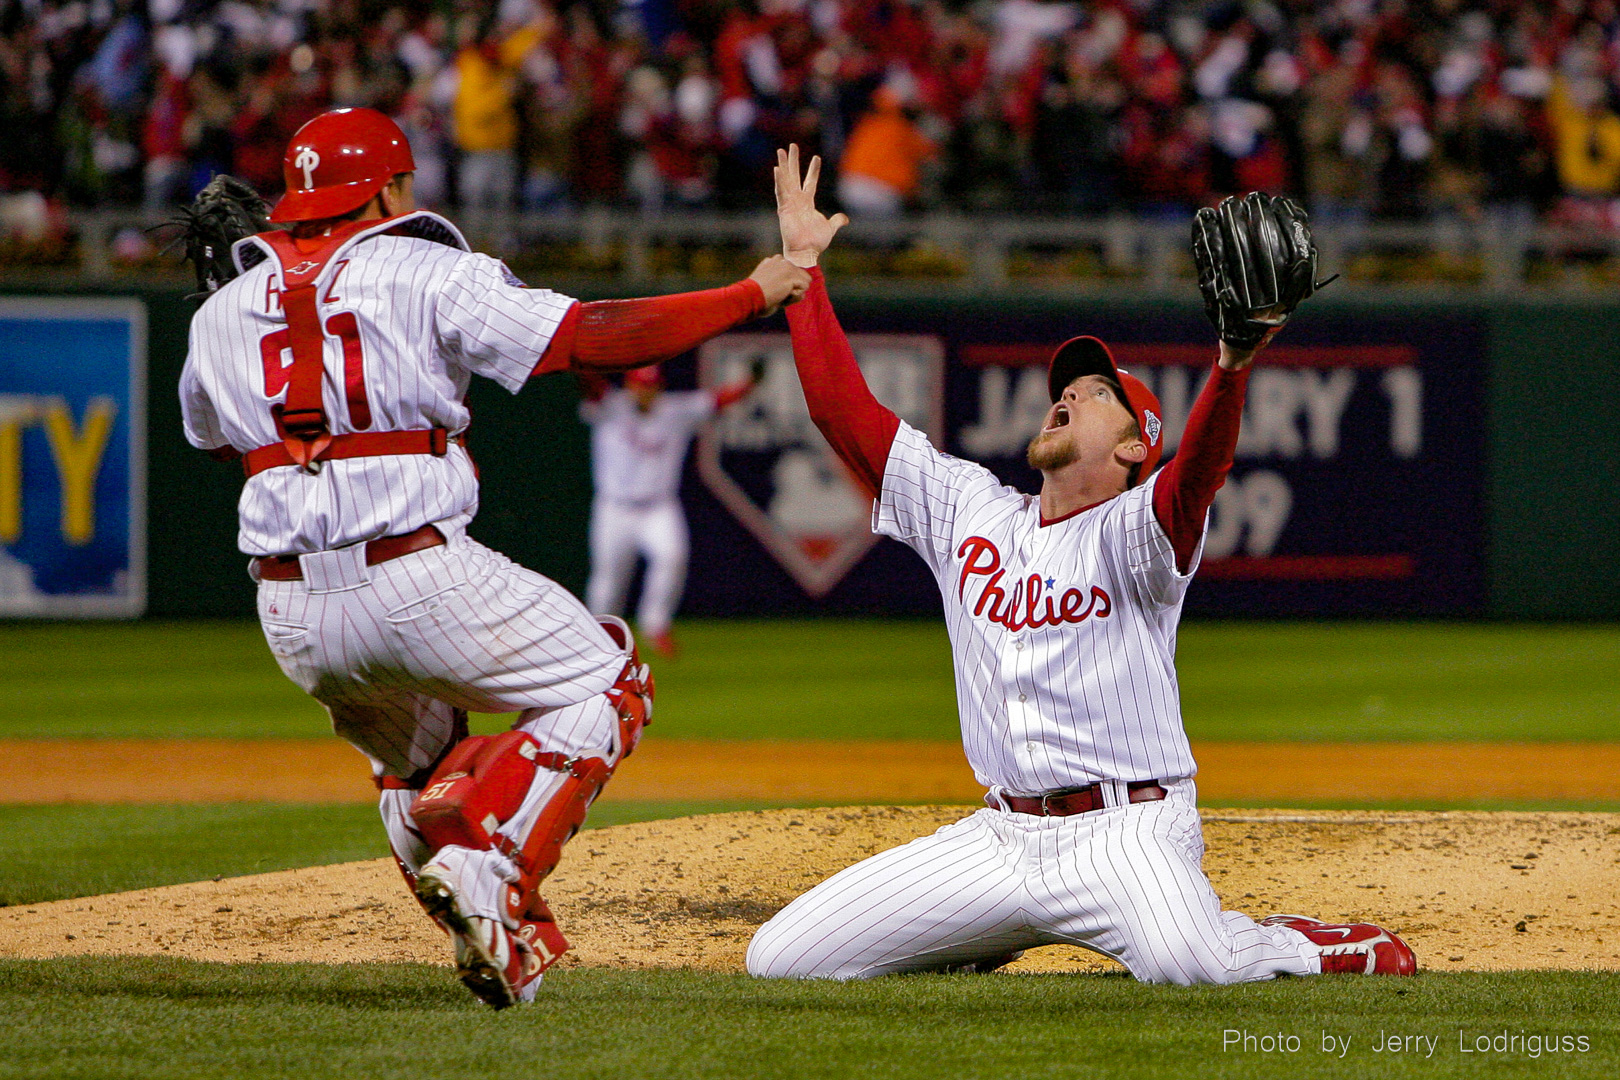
<point>484,785</point>
<point>481,783</point>
<point>632,694</point>
<point>488,782</point>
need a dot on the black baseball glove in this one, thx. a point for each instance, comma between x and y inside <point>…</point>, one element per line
<point>1256,263</point>
<point>221,214</point>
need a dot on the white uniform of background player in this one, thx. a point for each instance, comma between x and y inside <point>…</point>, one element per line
<point>639,438</point>
<point>1062,611</point>
<point>372,596</point>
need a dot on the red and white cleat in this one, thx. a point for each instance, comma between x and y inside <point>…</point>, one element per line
<point>1352,948</point>
<point>665,645</point>
<point>498,966</point>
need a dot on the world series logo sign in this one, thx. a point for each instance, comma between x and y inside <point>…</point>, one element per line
<point>771,468</point>
<point>72,458</point>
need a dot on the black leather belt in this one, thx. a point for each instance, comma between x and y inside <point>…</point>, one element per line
<point>1081,800</point>
<point>287,568</point>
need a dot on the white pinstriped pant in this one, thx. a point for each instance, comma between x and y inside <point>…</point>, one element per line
<point>392,650</point>
<point>619,532</point>
<point>1125,881</point>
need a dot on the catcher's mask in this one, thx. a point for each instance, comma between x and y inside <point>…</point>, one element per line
<point>1089,356</point>
<point>338,161</point>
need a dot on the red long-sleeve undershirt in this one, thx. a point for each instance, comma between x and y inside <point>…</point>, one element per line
<point>862,431</point>
<point>615,335</point>
<point>1189,482</point>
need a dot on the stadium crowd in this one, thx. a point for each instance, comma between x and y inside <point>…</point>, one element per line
<point>1403,109</point>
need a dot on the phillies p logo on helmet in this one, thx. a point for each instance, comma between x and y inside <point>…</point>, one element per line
<point>356,153</point>
<point>307,162</point>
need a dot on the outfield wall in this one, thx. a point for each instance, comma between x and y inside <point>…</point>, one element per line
<point>1430,459</point>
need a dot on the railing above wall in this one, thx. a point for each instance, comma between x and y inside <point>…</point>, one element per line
<point>937,253</point>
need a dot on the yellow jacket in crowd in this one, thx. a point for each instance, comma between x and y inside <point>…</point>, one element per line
<point>485,117</point>
<point>1588,144</point>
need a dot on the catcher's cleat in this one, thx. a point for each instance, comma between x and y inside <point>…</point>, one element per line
<point>499,967</point>
<point>1352,948</point>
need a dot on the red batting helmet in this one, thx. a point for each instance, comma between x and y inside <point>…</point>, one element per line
<point>644,376</point>
<point>339,160</point>
<point>1088,356</point>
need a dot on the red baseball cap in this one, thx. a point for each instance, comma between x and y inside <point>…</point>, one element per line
<point>1082,356</point>
<point>644,376</point>
<point>339,160</point>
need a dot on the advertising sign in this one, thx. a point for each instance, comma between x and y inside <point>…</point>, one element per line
<point>766,462</point>
<point>72,458</point>
<point>1358,485</point>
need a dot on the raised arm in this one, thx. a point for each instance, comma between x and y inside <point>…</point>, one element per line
<point>1187,485</point>
<point>1256,263</point>
<point>860,430</point>
<point>615,335</point>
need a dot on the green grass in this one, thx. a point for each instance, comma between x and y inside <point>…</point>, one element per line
<point>132,1018</point>
<point>1400,681</point>
<point>877,679</point>
<point>56,852</point>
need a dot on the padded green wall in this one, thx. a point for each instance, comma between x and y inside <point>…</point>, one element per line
<point>1554,401</point>
<point>1553,465</point>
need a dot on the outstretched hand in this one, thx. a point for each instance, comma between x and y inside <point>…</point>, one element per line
<point>806,231</point>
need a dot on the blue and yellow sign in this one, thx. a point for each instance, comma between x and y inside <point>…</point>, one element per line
<point>72,458</point>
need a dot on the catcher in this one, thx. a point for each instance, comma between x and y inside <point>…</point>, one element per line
<point>1062,611</point>
<point>334,358</point>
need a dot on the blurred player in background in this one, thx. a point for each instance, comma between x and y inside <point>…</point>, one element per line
<point>639,439</point>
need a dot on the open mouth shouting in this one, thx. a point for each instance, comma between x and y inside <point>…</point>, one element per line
<point>1057,418</point>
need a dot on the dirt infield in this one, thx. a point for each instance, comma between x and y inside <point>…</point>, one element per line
<point>1469,891</point>
<point>222,770</point>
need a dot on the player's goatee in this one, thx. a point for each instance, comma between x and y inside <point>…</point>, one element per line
<point>1047,452</point>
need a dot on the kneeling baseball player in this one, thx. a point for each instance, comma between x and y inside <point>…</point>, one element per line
<point>1062,611</point>
<point>333,359</point>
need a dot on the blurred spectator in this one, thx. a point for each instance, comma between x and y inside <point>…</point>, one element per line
<point>486,120</point>
<point>1586,134</point>
<point>882,164</point>
<point>552,109</point>
<point>1077,135</point>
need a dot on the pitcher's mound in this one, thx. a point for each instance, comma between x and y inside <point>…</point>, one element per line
<point>1478,891</point>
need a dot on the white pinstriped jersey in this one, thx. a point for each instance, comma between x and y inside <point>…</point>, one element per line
<point>1064,635</point>
<point>636,456</point>
<point>409,320</point>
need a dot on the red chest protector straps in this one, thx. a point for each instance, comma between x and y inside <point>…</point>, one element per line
<point>302,423</point>
<point>305,429</point>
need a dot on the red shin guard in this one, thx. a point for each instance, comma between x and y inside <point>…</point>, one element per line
<point>557,822</point>
<point>480,784</point>
<point>538,927</point>
<point>483,782</point>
